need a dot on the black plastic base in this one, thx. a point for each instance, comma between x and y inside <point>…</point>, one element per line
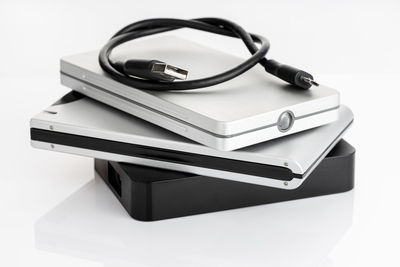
<point>150,194</point>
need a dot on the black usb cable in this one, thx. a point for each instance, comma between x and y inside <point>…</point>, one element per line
<point>157,75</point>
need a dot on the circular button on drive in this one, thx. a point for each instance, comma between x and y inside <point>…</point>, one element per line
<point>285,121</point>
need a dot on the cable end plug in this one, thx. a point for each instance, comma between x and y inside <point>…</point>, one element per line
<point>309,80</point>
<point>296,77</point>
<point>169,72</point>
<point>152,70</point>
<point>292,75</point>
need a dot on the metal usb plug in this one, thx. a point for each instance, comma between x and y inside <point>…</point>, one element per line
<point>169,72</point>
<point>151,70</point>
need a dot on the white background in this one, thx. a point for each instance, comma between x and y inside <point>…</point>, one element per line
<point>349,45</point>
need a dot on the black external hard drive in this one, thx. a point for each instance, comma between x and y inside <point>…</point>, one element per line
<point>150,194</point>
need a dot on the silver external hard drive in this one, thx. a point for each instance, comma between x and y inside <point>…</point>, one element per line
<point>80,125</point>
<point>250,109</point>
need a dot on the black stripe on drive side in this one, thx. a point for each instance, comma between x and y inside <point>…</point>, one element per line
<point>230,165</point>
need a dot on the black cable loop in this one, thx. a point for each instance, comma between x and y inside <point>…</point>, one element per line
<point>143,28</point>
<point>154,26</point>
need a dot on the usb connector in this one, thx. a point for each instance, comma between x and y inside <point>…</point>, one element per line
<point>169,72</point>
<point>290,74</point>
<point>154,70</point>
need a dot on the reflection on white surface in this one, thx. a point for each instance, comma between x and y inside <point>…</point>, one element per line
<point>93,225</point>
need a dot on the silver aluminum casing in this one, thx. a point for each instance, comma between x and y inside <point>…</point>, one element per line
<point>300,152</point>
<point>235,114</point>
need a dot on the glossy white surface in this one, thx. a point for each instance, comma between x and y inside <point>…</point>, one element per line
<point>92,224</point>
<point>353,47</point>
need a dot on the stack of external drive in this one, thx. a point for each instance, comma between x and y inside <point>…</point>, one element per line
<point>248,141</point>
